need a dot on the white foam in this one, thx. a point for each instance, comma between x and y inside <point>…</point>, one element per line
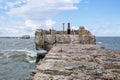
<point>30,60</point>
<point>99,42</point>
<point>30,54</point>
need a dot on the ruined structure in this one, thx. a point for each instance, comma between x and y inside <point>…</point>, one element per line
<point>85,36</point>
<point>43,40</point>
<point>39,39</point>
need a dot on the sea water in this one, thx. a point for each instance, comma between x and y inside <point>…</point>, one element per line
<point>112,43</point>
<point>17,56</point>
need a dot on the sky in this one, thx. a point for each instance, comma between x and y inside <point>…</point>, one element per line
<point>19,17</point>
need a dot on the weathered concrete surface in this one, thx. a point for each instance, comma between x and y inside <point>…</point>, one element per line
<point>78,62</point>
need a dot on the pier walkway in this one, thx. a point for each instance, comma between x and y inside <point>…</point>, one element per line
<point>78,62</point>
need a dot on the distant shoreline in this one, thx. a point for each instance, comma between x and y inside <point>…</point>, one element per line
<point>13,37</point>
<point>9,37</point>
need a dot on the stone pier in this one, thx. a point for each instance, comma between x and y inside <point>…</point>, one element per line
<point>78,62</point>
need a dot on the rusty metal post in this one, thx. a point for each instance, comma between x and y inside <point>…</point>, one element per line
<point>68,31</point>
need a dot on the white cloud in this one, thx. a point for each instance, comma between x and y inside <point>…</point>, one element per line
<point>106,29</point>
<point>49,23</point>
<point>35,13</point>
<point>75,28</point>
<point>13,4</point>
<point>38,10</point>
<point>16,31</point>
<point>30,23</point>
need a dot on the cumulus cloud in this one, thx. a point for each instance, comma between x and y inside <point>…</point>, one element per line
<point>39,10</point>
<point>38,13</point>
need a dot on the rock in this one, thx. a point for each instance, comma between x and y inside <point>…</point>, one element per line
<point>39,39</point>
<point>25,37</point>
<point>85,36</point>
<point>42,40</point>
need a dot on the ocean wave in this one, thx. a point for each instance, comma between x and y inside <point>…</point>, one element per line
<point>99,42</point>
<point>25,55</point>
